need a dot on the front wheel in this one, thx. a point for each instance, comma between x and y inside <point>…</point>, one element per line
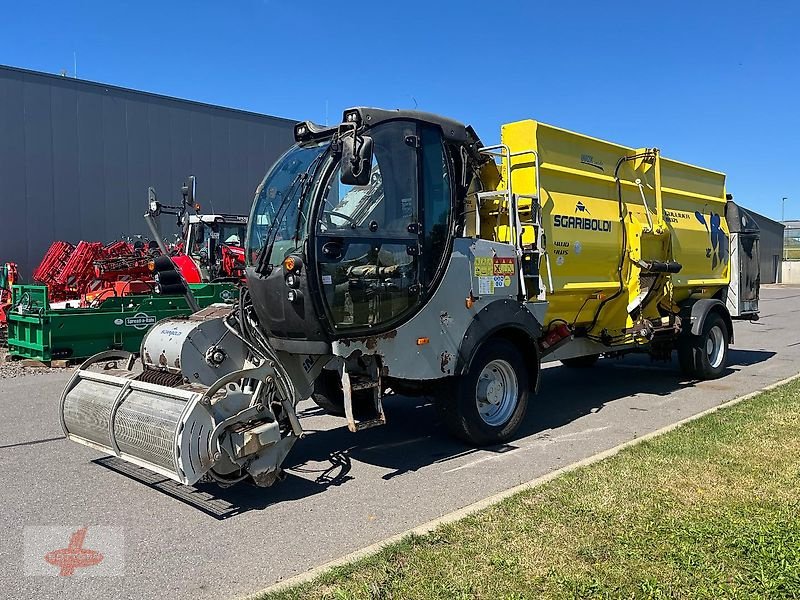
<point>705,356</point>
<point>488,403</point>
<point>328,395</point>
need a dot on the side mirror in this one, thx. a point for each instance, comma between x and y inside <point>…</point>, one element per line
<point>356,160</point>
<point>153,205</point>
<point>188,191</point>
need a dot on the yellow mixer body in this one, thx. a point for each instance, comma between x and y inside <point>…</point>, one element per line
<point>604,209</point>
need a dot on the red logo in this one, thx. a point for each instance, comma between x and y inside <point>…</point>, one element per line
<point>74,555</point>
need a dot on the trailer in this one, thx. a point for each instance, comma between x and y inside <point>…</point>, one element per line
<point>396,252</point>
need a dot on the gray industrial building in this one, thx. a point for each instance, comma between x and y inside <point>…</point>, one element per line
<point>77,157</point>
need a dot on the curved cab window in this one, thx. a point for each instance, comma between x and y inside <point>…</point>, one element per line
<point>367,239</point>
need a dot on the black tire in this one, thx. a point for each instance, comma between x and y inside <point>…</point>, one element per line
<point>328,395</point>
<point>686,356</point>
<point>581,362</point>
<point>458,402</point>
<point>705,356</point>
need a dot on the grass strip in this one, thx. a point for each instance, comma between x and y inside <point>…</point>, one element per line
<point>710,510</point>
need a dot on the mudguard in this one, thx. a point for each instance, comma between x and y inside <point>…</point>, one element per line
<point>698,312</point>
<point>501,315</point>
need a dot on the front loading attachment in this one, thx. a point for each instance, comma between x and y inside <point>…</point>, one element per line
<point>200,405</point>
<point>163,429</point>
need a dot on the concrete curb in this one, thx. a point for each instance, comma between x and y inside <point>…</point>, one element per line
<point>494,499</point>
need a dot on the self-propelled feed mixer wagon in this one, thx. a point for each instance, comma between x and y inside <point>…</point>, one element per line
<point>396,252</point>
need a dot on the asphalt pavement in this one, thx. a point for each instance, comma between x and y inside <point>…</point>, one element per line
<point>344,491</point>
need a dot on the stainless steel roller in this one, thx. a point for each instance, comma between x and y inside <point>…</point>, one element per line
<point>196,405</point>
<point>166,430</point>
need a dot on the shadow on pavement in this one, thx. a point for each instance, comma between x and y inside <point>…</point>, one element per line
<point>413,437</point>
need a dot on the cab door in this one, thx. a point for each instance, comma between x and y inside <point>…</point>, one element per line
<point>376,256</point>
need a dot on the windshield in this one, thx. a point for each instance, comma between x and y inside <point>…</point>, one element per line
<point>276,218</point>
<point>232,234</point>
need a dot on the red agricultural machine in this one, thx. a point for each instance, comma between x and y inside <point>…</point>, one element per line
<point>84,271</point>
<point>209,250</point>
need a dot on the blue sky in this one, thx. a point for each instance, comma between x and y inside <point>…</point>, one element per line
<point>711,83</point>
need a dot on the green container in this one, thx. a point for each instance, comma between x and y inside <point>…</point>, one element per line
<point>39,332</point>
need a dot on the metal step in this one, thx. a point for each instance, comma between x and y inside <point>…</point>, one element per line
<point>352,384</point>
<point>376,422</point>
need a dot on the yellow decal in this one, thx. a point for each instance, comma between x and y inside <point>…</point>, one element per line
<point>483,266</point>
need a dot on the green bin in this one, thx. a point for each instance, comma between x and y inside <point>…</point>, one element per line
<point>39,332</point>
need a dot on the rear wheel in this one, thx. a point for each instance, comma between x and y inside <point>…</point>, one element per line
<point>581,362</point>
<point>488,403</point>
<point>705,356</point>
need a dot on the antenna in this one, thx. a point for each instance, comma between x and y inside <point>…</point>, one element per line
<point>75,63</point>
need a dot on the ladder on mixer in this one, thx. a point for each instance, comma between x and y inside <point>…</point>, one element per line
<point>531,256</point>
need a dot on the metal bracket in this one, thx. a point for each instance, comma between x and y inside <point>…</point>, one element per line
<point>377,390</point>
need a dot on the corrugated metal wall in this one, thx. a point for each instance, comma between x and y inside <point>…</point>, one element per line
<point>76,159</point>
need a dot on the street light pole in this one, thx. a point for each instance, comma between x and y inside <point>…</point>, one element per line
<point>783,208</point>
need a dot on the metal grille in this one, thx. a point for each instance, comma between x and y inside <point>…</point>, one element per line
<point>145,427</point>
<point>87,410</point>
<point>153,426</point>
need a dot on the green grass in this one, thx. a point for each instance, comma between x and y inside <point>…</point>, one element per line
<point>710,510</point>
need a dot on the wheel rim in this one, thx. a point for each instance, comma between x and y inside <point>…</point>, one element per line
<point>715,346</point>
<point>497,392</point>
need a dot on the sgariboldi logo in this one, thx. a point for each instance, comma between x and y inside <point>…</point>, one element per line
<point>140,321</point>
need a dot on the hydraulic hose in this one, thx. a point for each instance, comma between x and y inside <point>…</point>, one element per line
<point>621,264</point>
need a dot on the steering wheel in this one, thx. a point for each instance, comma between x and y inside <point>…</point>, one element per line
<point>332,213</point>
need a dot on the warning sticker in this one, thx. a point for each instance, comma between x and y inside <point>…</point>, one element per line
<point>485,286</point>
<point>483,266</point>
<point>502,266</point>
